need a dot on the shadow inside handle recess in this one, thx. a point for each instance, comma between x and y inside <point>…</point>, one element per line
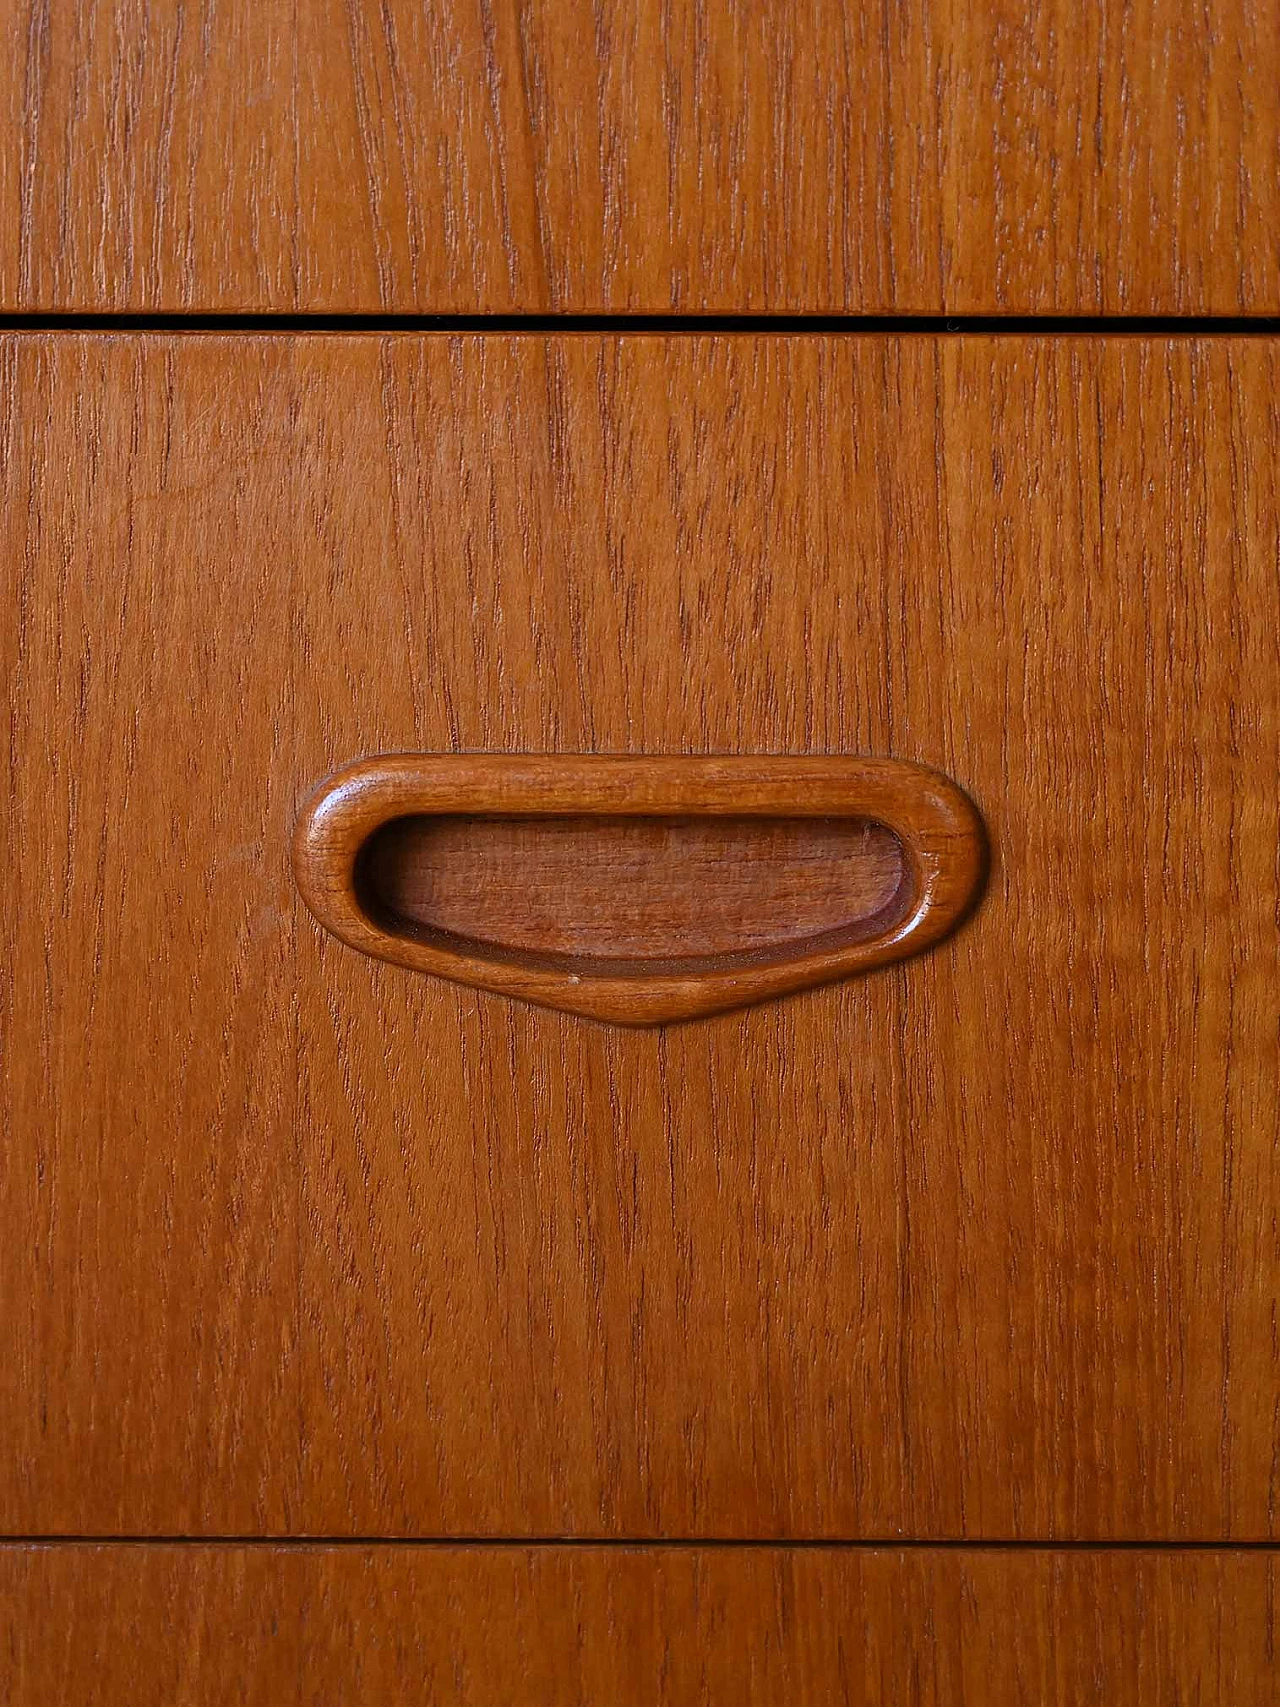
<point>669,893</point>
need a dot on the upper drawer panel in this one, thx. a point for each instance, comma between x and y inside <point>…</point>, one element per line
<point>476,156</point>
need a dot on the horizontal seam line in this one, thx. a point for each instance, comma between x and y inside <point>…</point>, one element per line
<point>637,1544</point>
<point>640,324</point>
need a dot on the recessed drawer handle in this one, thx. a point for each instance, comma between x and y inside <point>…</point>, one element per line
<point>639,890</point>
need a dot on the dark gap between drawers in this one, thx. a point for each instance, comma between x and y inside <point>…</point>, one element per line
<point>646,1544</point>
<point>932,325</point>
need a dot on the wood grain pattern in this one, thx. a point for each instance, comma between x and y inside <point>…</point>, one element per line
<point>483,156</point>
<point>941,861</point>
<point>984,1246</point>
<point>148,1071</point>
<point>635,888</point>
<point>577,1627</point>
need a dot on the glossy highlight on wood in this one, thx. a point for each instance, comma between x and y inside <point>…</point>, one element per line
<point>938,830</point>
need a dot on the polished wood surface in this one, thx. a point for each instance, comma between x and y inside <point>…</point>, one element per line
<point>301,1242</point>
<point>473,156</point>
<point>938,861</point>
<point>147,1626</point>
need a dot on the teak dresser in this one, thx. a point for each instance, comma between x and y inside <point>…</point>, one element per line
<point>640,940</point>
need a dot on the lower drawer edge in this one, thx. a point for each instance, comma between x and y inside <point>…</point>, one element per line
<point>102,1624</point>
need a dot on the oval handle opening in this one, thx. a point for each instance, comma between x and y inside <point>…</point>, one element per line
<point>646,893</point>
<point>639,890</point>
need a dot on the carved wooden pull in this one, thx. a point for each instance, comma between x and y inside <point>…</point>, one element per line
<point>639,890</point>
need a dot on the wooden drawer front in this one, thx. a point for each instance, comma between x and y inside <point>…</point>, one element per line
<point>473,156</point>
<point>576,1627</point>
<point>983,1245</point>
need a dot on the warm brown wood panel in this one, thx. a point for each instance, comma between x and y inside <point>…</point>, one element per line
<point>147,1078</point>
<point>982,1246</point>
<point>127,1626</point>
<point>604,155</point>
